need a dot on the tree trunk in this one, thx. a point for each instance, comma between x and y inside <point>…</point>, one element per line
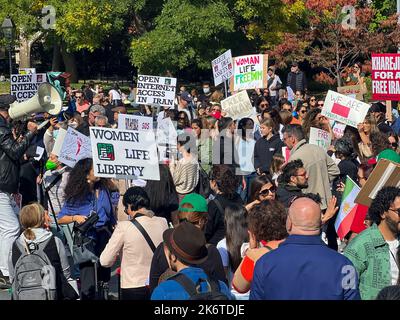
<point>25,46</point>
<point>56,61</point>
<point>69,63</point>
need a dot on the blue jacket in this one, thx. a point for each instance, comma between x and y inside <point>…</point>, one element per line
<point>304,268</point>
<point>83,208</point>
<point>172,290</point>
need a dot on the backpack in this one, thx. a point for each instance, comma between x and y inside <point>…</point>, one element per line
<point>203,185</point>
<point>213,292</point>
<point>34,276</point>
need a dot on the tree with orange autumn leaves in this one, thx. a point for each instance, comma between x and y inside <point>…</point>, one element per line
<point>325,43</point>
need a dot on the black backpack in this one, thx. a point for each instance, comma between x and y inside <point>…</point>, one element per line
<point>203,186</point>
<point>213,292</point>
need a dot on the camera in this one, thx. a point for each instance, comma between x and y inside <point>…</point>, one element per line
<point>90,222</point>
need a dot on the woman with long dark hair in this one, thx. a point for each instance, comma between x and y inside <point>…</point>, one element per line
<point>236,235</point>
<point>85,195</point>
<point>224,184</point>
<point>262,189</point>
<point>162,194</point>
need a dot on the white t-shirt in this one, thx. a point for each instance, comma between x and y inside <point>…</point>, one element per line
<point>223,251</point>
<point>115,95</point>
<point>246,155</point>
<point>394,269</point>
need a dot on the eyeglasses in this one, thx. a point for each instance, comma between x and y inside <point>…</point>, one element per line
<point>312,99</point>
<point>263,105</point>
<point>265,192</point>
<point>395,210</point>
<point>182,118</point>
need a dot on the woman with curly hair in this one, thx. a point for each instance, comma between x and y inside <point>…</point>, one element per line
<point>224,184</point>
<point>84,195</point>
<point>267,229</point>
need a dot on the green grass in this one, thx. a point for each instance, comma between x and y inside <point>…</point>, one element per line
<point>4,87</point>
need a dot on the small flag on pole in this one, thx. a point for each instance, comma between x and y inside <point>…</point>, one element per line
<point>348,208</point>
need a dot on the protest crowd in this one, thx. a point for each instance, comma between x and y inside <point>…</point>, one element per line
<point>247,199</point>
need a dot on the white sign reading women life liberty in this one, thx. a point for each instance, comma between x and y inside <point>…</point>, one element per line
<point>124,154</point>
<point>156,90</point>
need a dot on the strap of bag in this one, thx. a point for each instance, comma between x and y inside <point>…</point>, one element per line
<point>219,206</point>
<point>53,183</point>
<point>186,283</point>
<point>145,234</point>
<point>191,288</point>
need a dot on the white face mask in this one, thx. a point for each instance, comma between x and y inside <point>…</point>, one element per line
<point>73,124</point>
<point>206,90</point>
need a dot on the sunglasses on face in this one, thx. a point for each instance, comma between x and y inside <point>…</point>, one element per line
<point>312,99</point>
<point>263,105</point>
<point>320,104</point>
<point>395,210</point>
<point>265,192</point>
<point>303,111</point>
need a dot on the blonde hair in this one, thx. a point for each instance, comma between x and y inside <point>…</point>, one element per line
<point>31,216</point>
<point>217,96</point>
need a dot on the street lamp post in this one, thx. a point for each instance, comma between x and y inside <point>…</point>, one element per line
<point>8,28</point>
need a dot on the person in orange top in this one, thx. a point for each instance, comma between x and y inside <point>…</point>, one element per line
<point>267,229</point>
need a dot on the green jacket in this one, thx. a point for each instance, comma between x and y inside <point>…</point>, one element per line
<point>370,254</point>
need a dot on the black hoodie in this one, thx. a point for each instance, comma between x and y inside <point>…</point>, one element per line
<point>264,151</point>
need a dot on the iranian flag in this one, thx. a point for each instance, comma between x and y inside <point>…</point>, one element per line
<point>348,208</point>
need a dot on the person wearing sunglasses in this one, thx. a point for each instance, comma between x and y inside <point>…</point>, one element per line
<point>312,102</point>
<point>262,189</point>
<point>382,148</point>
<point>374,252</point>
<point>321,168</point>
<point>292,181</point>
<point>320,104</point>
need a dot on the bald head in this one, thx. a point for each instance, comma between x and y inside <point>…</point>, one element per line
<point>304,217</point>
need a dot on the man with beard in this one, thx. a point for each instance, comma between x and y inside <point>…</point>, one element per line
<point>185,248</point>
<point>293,179</point>
<point>374,251</point>
<point>320,167</point>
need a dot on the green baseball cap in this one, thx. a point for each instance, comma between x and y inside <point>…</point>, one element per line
<point>198,202</point>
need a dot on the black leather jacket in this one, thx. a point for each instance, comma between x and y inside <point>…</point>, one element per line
<point>11,153</point>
